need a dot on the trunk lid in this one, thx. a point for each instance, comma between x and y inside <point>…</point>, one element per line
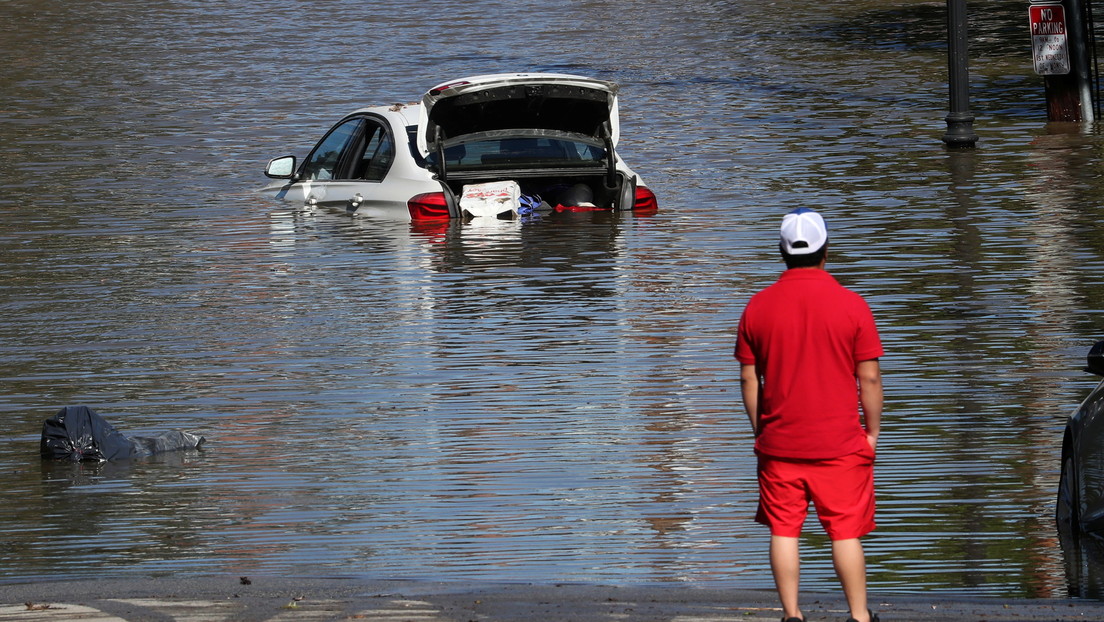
<point>499,103</point>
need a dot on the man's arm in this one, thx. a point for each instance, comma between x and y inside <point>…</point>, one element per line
<point>870,398</point>
<point>750,389</point>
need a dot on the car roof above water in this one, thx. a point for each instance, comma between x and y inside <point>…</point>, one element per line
<point>409,112</point>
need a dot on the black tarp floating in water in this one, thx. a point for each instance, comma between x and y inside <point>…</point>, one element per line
<point>79,433</point>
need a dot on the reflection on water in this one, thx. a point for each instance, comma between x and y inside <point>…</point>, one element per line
<point>541,401</point>
<point>1084,562</point>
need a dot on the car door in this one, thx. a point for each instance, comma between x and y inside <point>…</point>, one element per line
<point>349,166</point>
<point>320,176</point>
<point>379,185</point>
<point>1090,461</point>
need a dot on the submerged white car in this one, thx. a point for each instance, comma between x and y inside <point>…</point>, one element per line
<point>498,145</point>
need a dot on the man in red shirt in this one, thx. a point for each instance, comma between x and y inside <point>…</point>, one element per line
<point>808,350</point>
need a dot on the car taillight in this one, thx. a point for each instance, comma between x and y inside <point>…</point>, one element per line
<point>428,206</point>
<point>645,200</point>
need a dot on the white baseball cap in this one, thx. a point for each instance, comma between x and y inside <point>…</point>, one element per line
<point>803,232</point>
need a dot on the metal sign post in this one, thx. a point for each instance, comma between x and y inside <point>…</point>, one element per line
<point>1059,51</point>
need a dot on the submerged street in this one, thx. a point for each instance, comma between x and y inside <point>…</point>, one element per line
<point>548,402</point>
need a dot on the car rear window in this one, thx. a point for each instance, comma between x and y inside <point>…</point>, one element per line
<point>492,152</point>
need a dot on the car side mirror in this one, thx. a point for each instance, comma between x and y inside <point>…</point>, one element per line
<point>281,168</point>
<point>1096,359</point>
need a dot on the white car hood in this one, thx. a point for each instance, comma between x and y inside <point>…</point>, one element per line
<point>551,101</point>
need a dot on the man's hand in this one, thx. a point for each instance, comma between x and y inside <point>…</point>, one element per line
<point>870,398</point>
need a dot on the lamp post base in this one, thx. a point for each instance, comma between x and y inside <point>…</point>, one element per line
<point>960,130</point>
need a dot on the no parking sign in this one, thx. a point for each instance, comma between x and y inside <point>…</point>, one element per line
<point>1049,39</point>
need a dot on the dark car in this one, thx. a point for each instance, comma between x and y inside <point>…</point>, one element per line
<point>1080,507</point>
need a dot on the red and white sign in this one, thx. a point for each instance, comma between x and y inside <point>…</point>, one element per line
<point>1049,41</point>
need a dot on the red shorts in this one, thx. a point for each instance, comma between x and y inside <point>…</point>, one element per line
<point>841,489</point>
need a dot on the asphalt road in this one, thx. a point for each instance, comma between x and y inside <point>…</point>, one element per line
<point>278,599</point>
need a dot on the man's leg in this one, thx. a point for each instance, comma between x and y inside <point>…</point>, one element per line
<point>850,564</point>
<point>785,562</point>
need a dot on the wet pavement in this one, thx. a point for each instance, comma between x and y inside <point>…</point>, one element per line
<point>270,599</point>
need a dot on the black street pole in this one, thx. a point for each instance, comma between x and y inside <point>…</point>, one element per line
<point>960,123</point>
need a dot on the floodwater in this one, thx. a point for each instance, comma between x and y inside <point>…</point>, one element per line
<point>547,402</point>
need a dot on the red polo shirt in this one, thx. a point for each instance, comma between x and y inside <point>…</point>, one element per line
<point>806,334</point>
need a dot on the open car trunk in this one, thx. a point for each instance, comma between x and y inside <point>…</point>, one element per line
<point>573,192</point>
<point>553,134</point>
